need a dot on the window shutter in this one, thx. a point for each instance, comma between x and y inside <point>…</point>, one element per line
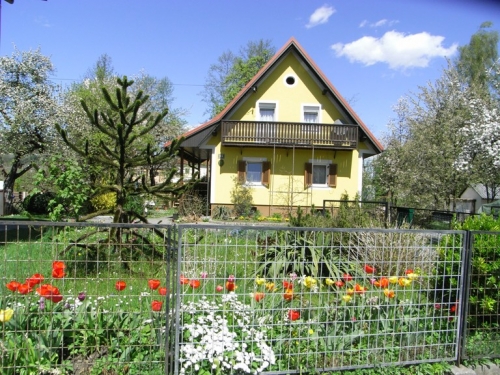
<point>266,173</point>
<point>242,175</point>
<point>308,175</point>
<point>332,175</point>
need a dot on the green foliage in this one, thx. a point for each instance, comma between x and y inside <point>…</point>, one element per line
<point>484,291</point>
<point>106,201</point>
<point>38,203</point>
<point>71,186</point>
<point>242,200</point>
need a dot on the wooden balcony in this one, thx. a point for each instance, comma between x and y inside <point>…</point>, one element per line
<point>286,134</point>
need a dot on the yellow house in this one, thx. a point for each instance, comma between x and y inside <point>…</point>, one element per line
<point>288,135</point>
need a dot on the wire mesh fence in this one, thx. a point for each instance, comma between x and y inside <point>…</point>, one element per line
<point>82,298</point>
<point>285,301</point>
<point>482,323</point>
<point>85,299</point>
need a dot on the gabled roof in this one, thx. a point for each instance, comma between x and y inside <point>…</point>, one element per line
<point>203,130</point>
<point>480,189</point>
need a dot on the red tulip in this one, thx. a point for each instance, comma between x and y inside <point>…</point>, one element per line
<point>13,285</point>
<point>347,277</point>
<point>382,283</point>
<point>230,286</point>
<point>58,269</point>
<point>360,289</point>
<point>369,269</point>
<point>195,284</point>
<point>50,292</point>
<point>162,291</point>
<point>408,271</point>
<point>287,285</point>
<point>120,285</point>
<point>339,283</point>
<point>258,296</point>
<point>184,280</point>
<point>156,305</point>
<point>24,289</point>
<point>288,296</point>
<point>153,284</point>
<point>34,280</point>
<point>293,315</point>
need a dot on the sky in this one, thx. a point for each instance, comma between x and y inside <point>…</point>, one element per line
<point>372,51</point>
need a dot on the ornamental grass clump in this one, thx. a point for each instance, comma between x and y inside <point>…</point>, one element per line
<point>223,337</point>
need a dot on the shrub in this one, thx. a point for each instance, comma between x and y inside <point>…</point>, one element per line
<point>192,205</point>
<point>38,203</point>
<point>105,201</point>
<point>242,200</point>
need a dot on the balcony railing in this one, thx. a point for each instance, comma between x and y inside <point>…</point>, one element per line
<point>259,133</point>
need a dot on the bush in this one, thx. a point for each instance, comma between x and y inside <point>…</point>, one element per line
<point>105,201</point>
<point>192,205</point>
<point>38,203</point>
<point>242,200</point>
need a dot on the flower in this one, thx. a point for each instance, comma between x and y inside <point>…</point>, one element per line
<point>120,285</point>
<point>6,315</point>
<point>360,289</point>
<point>382,283</point>
<point>453,309</point>
<point>288,296</point>
<point>412,276</point>
<point>41,303</point>
<point>258,296</point>
<point>260,281</point>
<point>156,305</point>
<point>408,271</point>
<point>310,282</point>
<point>34,280</point>
<point>231,278</point>
<point>346,298</point>
<point>203,275</point>
<point>287,285</point>
<point>402,281</point>
<point>270,286</point>
<point>311,331</point>
<point>293,276</point>
<point>58,269</point>
<point>350,292</point>
<point>219,288</point>
<point>195,284</point>
<point>81,296</point>
<point>293,315</point>
<point>393,279</point>
<point>339,283</point>
<point>347,277</point>
<point>162,291</point>
<point>50,292</point>
<point>13,285</point>
<point>230,286</point>
<point>153,284</point>
<point>369,269</point>
<point>329,282</point>
<point>389,293</point>
<point>24,289</point>
<point>184,280</point>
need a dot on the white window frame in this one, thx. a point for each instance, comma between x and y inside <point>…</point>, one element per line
<point>326,164</point>
<point>254,160</point>
<point>266,104</point>
<point>310,127</point>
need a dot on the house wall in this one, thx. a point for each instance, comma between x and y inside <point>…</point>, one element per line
<point>471,194</point>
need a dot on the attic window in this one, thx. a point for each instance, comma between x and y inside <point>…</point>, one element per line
<point>290,80</point>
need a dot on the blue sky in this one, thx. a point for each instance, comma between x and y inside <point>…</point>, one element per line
<point>373,51</point>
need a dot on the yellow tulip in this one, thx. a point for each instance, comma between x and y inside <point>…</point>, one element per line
<point>260,281</point>
<point>346,298</point>
<point>6,315</point>
<point>393,279</point>
<point>309,282</point>
<point>404,282</point>
<point>412,276</point>
<point>329,282</point>
<point>270,287</point>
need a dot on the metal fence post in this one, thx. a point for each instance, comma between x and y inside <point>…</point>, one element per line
<point>464,301</point>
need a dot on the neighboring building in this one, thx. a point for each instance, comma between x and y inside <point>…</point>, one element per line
<point>473,198</point>
<point>288,135</point>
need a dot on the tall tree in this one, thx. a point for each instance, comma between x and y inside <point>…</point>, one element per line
<point>125,122</point>
<point>232,72</point>
<point>28,110</point>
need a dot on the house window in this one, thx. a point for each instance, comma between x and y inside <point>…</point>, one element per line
<point>320,174</point>
<point>310,115</point>
<point>267,111</point>
<point>254,172</point>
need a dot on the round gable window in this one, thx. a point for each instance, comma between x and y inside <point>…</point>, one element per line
<point>290,80</point>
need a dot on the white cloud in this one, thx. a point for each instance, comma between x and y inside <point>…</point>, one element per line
<point>382,22</point>
<point>395,49</point>
<point>320,16</point>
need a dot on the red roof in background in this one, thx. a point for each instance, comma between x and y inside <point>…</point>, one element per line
<point>292,42</point>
